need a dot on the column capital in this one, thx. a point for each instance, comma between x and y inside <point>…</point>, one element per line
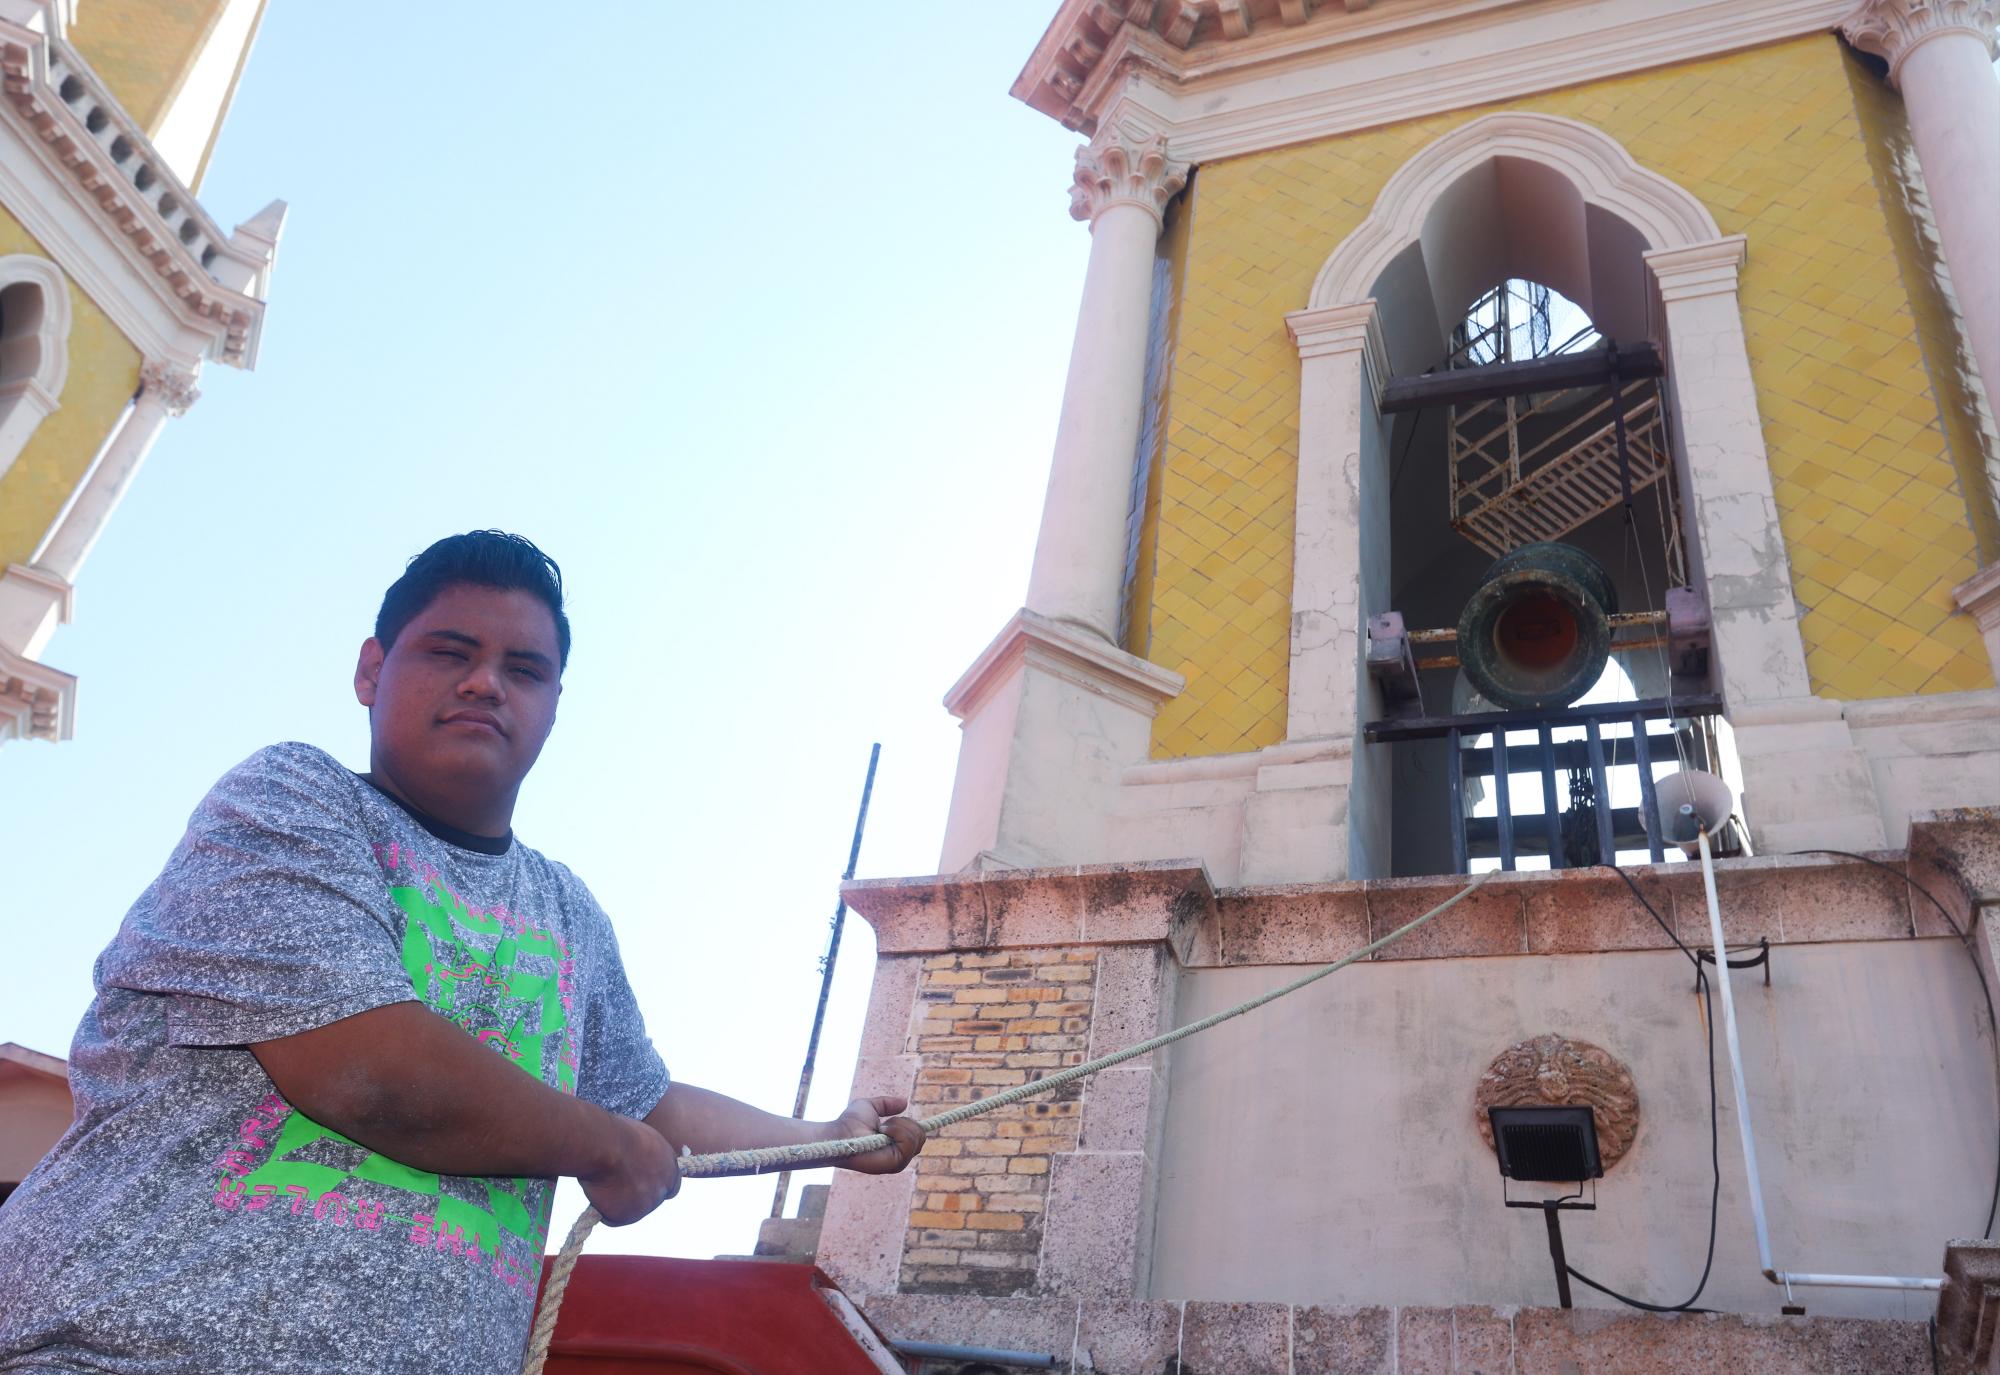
<point>1892,29</point>
<point>1352,328</point>
<point>171,386</point>
<point>1116,169</point>
<point>1703,269</point>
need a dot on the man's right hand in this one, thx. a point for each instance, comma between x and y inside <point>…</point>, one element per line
<point>639,1176</point>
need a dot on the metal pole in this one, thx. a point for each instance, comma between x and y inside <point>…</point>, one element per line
<point>1553,1212</point>
<point>826,963</point>
<point>1771,1272</point>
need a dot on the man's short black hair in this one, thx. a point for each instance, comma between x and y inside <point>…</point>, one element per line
<point>483,558</point>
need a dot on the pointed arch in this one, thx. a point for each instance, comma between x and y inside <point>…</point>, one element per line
<point>1597,165</point>
<point>34,348</point>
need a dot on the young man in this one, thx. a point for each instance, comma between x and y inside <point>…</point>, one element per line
<point>344,1043</point>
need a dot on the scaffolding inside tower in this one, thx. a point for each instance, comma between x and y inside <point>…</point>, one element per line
<point>1531,467</point>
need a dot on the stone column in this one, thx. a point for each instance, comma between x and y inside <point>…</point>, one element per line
<point>1940,55</point>
<point>35,597</point>
<point>1121,187</point>
<point>1804,780</point>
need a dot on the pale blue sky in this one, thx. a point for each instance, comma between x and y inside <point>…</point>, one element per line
<point>757,321</point>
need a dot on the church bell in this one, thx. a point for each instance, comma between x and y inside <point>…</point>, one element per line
<point>1538,631</point>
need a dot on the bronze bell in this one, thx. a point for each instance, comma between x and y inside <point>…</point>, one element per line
<point>1537,633</point>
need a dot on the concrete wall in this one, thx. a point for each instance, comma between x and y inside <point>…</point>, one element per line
<point>1325,1152</point>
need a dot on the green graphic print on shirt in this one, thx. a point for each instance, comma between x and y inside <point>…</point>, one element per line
<point>514,999</point>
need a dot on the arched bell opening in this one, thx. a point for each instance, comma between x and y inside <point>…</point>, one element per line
<point>1510,269</point>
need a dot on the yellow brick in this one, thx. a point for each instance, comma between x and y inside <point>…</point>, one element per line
<point>937,1221</point>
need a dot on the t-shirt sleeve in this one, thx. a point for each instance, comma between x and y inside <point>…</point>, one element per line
<point>271,917</point>
<point>621,1071</point>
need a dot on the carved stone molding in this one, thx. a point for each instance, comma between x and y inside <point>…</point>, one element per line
<point>1114,171</point>
<point>1892,29</point>
<point>173,387</point>
<point>1551,1070</point>
<point>36,702</point>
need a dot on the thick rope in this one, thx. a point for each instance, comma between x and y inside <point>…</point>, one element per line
<point>724,1163</point>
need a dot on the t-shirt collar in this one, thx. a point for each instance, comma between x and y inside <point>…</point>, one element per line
<point>450,835</point>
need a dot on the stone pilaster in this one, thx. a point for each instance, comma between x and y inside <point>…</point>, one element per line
<point>987,981</point>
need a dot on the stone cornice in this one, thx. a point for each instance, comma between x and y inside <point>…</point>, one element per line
<point>1893,29</point>
<point>1532,913</point>
<point>1119,171</point>
<point>36,702</point>
<point>1071,653</point>
<point>1285,73</point>
<point>68,122</point>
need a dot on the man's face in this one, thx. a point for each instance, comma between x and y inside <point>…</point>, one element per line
<point>459,706</point>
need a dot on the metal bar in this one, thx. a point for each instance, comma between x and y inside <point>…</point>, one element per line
<point>940,1351</point>
<point>1649,804</point>
<point>1618,419</point>
<point>1607,851</point>
<point>1624,620</point>
<point>1454,776</point>
<point>1551,810</point>
<point>1479,723</point>
<point>1569,754</point>
<point>1559,372</point>
<point>826,970</point>
<point>1617,647</point>
<point>1735,1046</point>
<point>1856,1281</point>
<point>1482,835</point>
<point>1505,805</point>
<point>1554,1216</point>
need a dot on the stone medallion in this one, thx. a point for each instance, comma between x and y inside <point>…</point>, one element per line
<point>1555,1071</point>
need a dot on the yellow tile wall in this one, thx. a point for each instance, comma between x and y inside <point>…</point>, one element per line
<point>103,374</point>
<point>1771,141</point>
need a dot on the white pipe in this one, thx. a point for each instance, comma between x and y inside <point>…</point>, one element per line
<point>1771,1272</point>
<point>1735,1057</point>
<point>1856,1281</point>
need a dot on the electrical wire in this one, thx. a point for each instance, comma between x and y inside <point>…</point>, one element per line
<point>1986,991</point>
<point>1714,1129</point>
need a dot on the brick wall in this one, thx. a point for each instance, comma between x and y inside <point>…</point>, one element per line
<point>986,1022</point>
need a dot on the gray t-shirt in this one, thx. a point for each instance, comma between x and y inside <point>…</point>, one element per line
<point>191,1220</point>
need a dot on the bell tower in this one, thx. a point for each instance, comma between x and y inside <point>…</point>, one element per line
<point>116,287</point>
<point>1482,421</point>
<point>1247,476</point>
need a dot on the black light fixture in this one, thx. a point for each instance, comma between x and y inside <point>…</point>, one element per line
<point>1550,1145</point>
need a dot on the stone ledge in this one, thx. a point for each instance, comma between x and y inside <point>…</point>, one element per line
<point>1787,899</point>
<point>1091,904</point>
<point>1223,1338</point>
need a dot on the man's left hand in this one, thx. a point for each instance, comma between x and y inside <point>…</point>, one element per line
<point>865,1116</point>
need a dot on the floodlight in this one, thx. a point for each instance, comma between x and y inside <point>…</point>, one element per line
<point>1554,1145</point>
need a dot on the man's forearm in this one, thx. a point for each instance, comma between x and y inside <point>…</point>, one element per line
<point>403,1081</point>
<point>704,1121</point>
